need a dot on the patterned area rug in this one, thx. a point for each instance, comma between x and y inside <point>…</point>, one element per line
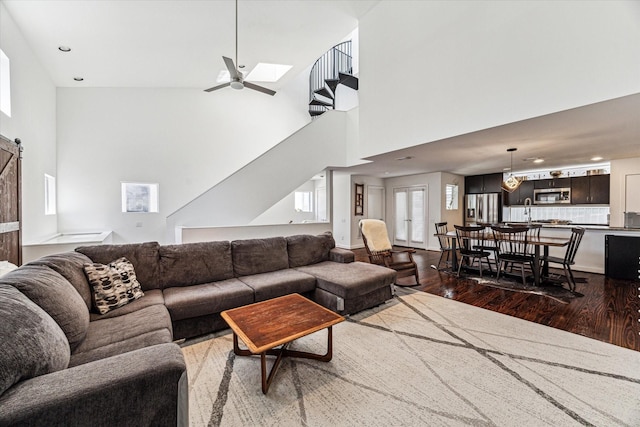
<point>421,359</point>
<point>554,291</point>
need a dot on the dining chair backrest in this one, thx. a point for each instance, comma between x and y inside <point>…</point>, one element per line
<point>469,238</point>
<point>512,240</point>
<point>574,243</point>
<point>533,232</point>
<point>441,230</point>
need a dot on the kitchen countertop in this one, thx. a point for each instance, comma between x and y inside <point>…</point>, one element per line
<point>587,226</point>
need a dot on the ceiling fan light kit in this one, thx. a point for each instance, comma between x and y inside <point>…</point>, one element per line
<point>237,79</point>
<point>512,183</point>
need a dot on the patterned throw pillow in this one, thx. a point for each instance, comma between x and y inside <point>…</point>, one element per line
<point>114,284</point>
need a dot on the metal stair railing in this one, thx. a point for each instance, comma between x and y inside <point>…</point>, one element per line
<point>336,60</point>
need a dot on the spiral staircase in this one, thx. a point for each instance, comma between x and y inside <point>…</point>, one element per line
<point>332,69</point>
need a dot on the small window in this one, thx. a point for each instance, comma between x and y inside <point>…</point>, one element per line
<point>139,197</point>
<point>303,201</point>
<point>5,84</point>
<point>49,194</point>
<point>451,192</point>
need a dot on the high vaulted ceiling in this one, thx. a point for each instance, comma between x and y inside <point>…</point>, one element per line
<point>179,44</point>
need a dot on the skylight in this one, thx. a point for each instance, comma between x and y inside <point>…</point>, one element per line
<point>268,72</point>
<point>261,73</point>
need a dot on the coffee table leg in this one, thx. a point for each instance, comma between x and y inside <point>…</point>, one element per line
<point>281,353</point>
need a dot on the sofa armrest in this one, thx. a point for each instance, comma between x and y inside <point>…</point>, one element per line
<point>341,255</point>
<point>143,387</point>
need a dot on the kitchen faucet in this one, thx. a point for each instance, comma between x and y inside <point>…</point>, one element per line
<point>527,208</point>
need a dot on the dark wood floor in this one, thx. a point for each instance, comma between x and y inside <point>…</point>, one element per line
<point>607,312</point>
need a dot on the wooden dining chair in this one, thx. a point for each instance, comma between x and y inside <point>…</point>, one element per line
<point>379,250</point>
<point>445,244</point>
<point>470,239</point>
<point>513,248</point>
<point>569,256</point>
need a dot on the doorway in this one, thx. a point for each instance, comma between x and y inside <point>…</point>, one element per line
<point>410,207</point>
<point>375,202</point>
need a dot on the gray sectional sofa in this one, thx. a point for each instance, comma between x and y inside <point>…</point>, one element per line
<point>62,363</point>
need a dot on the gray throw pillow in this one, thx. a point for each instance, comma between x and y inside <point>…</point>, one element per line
<point>32,342</point>
<point>114,284</point>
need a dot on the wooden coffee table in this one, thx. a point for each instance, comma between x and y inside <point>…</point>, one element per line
<point>278,322</point>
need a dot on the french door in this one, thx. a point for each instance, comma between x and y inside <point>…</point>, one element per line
<point>410,216</point>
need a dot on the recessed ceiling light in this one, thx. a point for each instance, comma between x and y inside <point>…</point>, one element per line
<point>596,159</point>
<point>538,160</point>
<point>78,79</point>
<point>506,169</point>
<point>64,48</point>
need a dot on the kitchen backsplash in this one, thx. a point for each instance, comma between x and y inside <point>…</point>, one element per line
<point>575,214</point>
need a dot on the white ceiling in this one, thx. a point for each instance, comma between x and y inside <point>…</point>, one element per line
<point>180,44</point>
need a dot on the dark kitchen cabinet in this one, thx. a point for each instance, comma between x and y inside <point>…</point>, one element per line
<point>592,189</point>
<point>521,194</point>
<point>553,183</point>
<point>477,184</point>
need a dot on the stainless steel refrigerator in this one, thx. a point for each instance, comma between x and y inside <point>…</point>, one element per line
<point>483,208</point>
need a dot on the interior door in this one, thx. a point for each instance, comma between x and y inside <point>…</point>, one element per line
<point>10,212</point>
<point>410,217</point>
<point>375,202</point>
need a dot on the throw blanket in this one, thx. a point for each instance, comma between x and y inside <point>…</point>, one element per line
<point>376,233</point>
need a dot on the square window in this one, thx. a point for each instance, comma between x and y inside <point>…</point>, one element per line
<point>451,192</point>
<point>303,201</point>
<point>139,197</point>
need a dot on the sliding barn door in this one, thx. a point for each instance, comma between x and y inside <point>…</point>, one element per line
<point>10,215</point>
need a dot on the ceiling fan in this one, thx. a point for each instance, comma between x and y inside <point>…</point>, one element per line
<point>237,79</point>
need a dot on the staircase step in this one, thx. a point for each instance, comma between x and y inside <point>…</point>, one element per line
<point>324,91</point>
<point>349,80</point>
<point>314,113</point>
<point>332,84</point>
<point>316,101</point>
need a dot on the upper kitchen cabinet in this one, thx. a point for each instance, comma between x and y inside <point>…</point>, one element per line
<point>553,183</point>
<point>477,184</point>
<point>524,191</point>
<point>592,189</point>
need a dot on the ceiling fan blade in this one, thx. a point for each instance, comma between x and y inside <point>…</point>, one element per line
<point>259,88</point>
<point>211,89</point>
<point>233,72</point>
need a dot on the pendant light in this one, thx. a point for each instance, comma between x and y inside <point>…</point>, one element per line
<point>512,183</point>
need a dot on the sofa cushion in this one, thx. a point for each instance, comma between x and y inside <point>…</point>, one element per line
<point>278,283</point>
<point>114,284</point>
<point>195,263</point>
<point>208,298</point>
<point>307,249</point>
<point>152,297</point>
<point>70,266</point>
<point>350,280</point>
<point>255,256</point>
<point>32,342</point>
<point>55,295</point>
<point>105,332</point>
<point>144,257</point>
<point>147,339</point>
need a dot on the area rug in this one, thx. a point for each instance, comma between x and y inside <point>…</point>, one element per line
<point>422,360</point>
<point>554,291</point>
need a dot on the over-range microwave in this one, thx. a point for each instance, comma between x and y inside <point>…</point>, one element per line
<point>548,196</point>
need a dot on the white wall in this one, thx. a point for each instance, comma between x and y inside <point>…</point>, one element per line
<point>617,199</point>
<point>342,209</point>
<point>460,66</point>
<point>284,211</point>
<point>356,236</point>
<point>33,120</point>
<point>185,140</point>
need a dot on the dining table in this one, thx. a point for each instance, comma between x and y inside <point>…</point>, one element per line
<point>544,242</point>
